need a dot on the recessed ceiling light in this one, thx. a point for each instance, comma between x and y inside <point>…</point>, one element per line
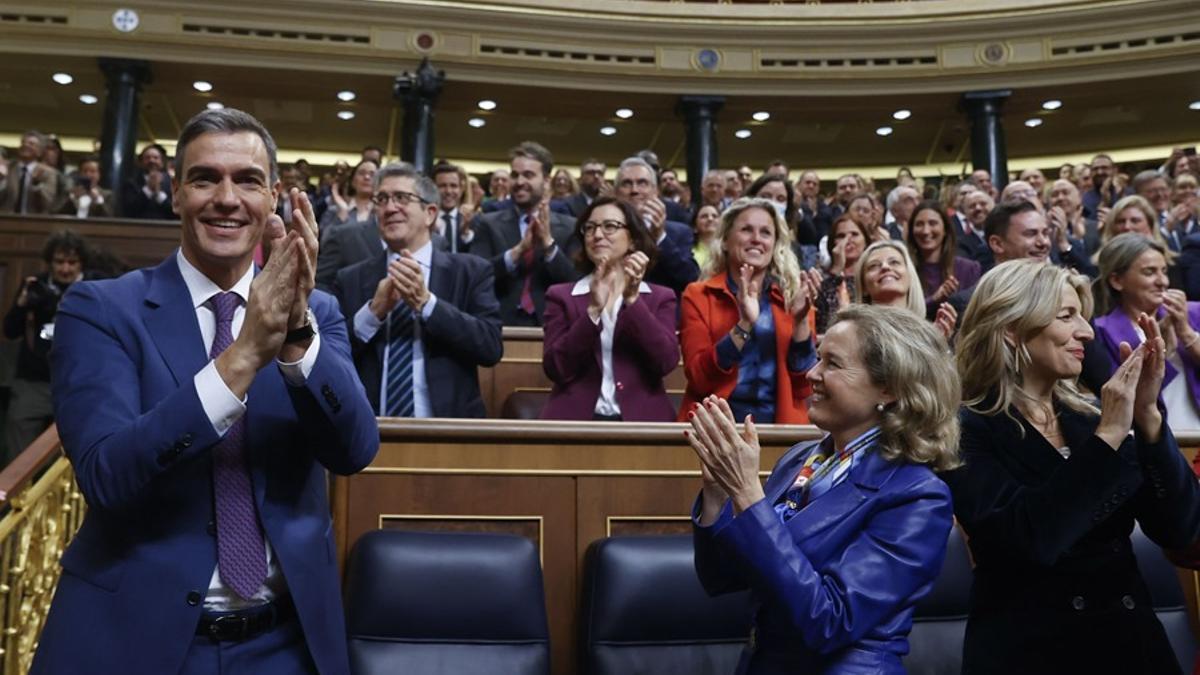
<point>214,105</point>
<point>608,131</point>
<point>1033,122</point>
<point>88,99</point>
<point>624,113</point>
<point>201,85</point>
<point>761,116</point>
<point>742,133</point>
<point>477,122</point>
<point>345,114</point>
<point>902,115</point>
<point>486,104</point>
<point>1194,105</point>
<point>1052,104</point>
<point>346,96</point>
<point>62,78</point>
<point>884,131</point>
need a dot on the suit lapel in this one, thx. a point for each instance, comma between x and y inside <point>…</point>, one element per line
<point>170,318</point>
<point>440,276</point>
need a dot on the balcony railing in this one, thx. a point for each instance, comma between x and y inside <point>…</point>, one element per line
<point>43,510</point>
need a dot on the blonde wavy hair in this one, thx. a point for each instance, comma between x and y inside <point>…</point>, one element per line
<point>905,355</point>
<point>1108,232</point>
<point>783,268</point>
<point>914,300</point>
<point>1018,298</point>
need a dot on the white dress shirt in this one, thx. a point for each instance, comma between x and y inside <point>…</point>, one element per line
<point>366,325</point>
<point>606,402</point>
<point>223,409</point>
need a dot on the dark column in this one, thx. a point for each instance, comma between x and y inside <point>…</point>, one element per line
<point>700,117</point>
<point>988,149</point>
<point>418,93</point>
<point>118,138</point>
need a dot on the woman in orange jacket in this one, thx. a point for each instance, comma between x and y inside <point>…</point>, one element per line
<point>746,330</point>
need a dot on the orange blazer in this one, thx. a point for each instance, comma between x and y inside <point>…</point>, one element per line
<point>709,312</point>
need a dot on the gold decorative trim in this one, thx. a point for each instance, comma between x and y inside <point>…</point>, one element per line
<point>541,524</point>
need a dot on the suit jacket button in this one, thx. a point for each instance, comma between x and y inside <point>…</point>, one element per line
<point>325,389</point>
<point>194,598</point>
<point>1128,602</point>
<point>186,441</point>
<point>1078,603</point>
<point>211,528</point>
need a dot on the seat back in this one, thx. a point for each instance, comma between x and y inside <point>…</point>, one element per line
<point>1165,593</point>
<point>643,611</point>
<point>940,618</point>
<point>524,404</point>
<point>459,604</point>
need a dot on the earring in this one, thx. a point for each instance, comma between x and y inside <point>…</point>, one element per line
<point>878,407</point>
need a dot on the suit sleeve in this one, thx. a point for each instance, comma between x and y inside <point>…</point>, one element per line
<point>486,245</point>
<point>1168,505</point>
<point>717,571</point>
<point>676,267</point>
<point>471,332</point>
<point>329,256</point>
<point>559,269</point>
<point>704,374</point>
<point>336,419</point>
<point>649,334</point>
<point>896,556</point>
<point>569,344</point>
<point>117,451</point>
<point>1006,519</point>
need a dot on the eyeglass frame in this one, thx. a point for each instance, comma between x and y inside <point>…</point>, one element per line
<point>589,227</point>
<point>400,197</point>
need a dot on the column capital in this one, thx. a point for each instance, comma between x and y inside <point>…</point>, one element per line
<point>422,86</point>
<point>129,70</point>
<point>693,106</point>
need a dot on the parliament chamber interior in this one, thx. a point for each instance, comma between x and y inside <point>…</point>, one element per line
<point>579,222</point>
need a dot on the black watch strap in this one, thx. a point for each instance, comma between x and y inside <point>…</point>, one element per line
<point>299,334</point>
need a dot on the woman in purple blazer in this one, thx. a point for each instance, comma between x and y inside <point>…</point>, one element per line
<point>1134,280</point>
<point>610,337</point>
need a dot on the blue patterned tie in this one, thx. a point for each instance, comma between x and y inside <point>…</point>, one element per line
<point>241,555</point>
<point>399,370</point>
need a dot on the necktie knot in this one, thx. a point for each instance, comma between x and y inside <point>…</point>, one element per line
<point>224,304</point>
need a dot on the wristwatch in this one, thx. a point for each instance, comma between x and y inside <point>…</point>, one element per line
<point>302,333</point>
<point>742,333</point>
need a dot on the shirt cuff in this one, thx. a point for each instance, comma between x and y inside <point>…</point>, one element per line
<point>727,353</point>
<point>801,356</point>
<point>427,310</point>
<point>509,263</point>
<point>296,372</point>
<point>661,237</point>
<point>467,238</point>
<point>553,252</point>
<point>220,406</point>
<point>366,324</point>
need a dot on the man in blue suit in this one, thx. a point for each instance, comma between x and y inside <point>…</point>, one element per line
<point>200,405</point>
<point>436,310</point>
<point>676,266</point>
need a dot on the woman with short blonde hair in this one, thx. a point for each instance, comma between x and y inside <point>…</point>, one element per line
<point>1051,486</point>
<point>910,296</point>
<point>849,532</point>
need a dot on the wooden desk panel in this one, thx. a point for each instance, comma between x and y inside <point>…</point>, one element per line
<point>562,484</point>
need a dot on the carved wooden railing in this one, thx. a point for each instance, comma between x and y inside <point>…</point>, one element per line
<point>43,510</point>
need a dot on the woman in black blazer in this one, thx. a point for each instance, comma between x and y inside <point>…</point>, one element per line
<point>1051,485</point>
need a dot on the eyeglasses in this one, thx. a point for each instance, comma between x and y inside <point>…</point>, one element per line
<point>382,199</point>
<point>608,227</point>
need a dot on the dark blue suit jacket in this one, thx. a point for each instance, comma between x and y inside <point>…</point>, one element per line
<point>125,354</point>
<point>462,333</point>
<point>836,584</point>
<point>676,266</point>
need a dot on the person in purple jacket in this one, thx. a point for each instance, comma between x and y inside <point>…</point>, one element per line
<point>610,337</point>
<point>1133,280</point>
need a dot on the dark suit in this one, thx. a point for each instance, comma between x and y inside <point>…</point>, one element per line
<point>1056,587</point>
<point>125,355</point>
<point>644,351</point>
<point>676,266</point>
<point>577,204</point>
<point>835,584</point>
<point>493,205</point>
<point>462,333</point>
<point>345,245</point>
<point>972,247</point>
<point>135,203</point>
<point>452,231</point>
<point>102,210</point>
<point>819,221</point>
<point>496,233</point>
<point>676,212</point>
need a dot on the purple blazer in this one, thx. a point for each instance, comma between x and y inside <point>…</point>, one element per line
<point>1116,327</point>
<point>645,350</point>
<point>967,272</point>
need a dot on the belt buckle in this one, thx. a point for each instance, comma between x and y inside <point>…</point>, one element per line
<point>229,627</point>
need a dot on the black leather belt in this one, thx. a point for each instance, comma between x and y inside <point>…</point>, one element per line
<point>244,624</point>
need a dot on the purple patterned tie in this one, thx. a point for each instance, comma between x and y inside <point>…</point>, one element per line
<point>241,556</point>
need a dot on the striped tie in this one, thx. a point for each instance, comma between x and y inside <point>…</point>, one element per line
<point>399,359</point>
